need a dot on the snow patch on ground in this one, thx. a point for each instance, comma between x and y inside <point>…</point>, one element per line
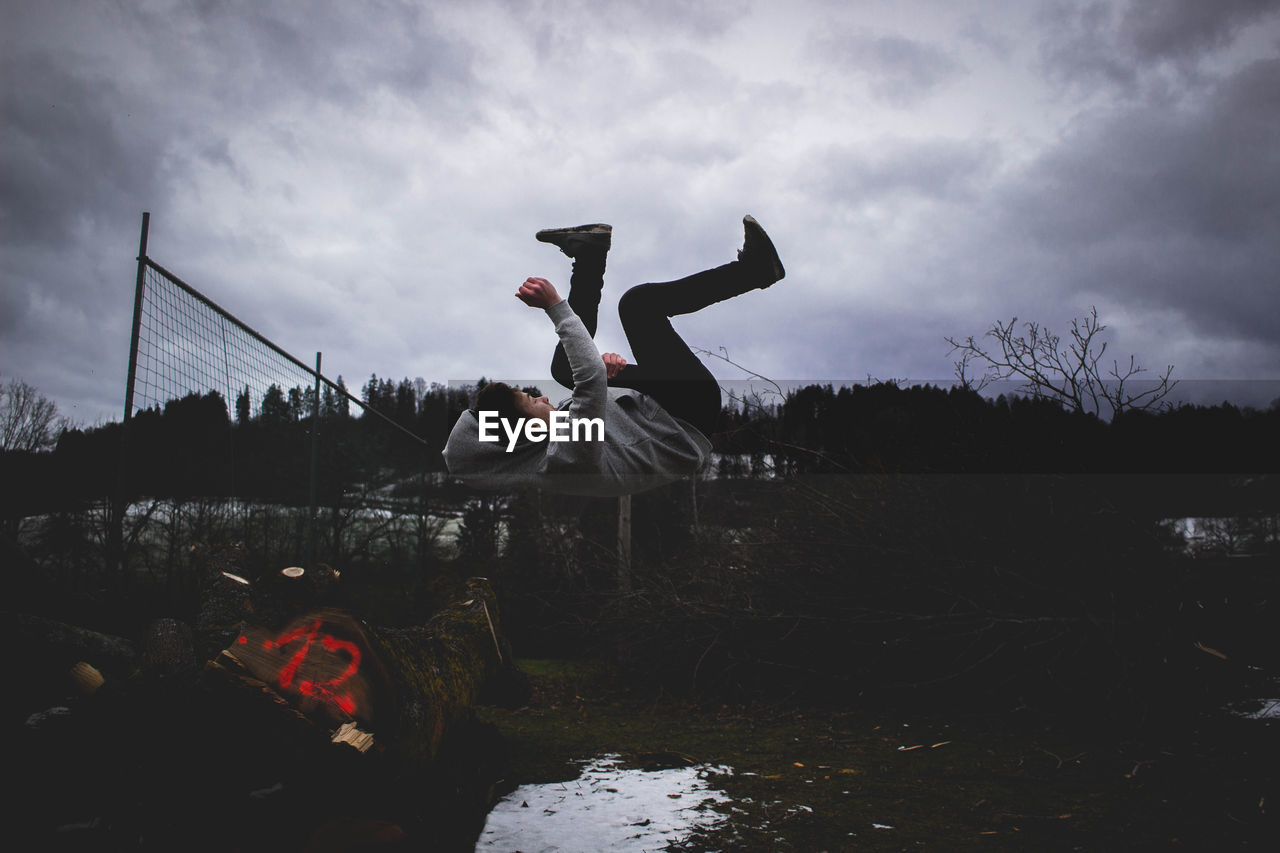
<point>605,808</point>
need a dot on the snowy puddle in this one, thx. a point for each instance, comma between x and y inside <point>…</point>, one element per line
<point>1270,710</point>
<point>606,808</point>
<point>1260,708</point>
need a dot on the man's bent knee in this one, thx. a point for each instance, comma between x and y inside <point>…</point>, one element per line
<point>642,298</point>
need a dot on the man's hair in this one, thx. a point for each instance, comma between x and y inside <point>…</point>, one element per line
<point>498,397</point>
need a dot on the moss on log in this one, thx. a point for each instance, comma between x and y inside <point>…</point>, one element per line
<point>437,671</point>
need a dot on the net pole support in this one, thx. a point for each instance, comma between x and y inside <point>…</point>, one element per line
<point>315,465</point>
<point>117,569</point>
<point>137,316</point>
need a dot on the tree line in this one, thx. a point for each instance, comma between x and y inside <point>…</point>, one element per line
<point>197,446</point>
<point>885,427</point>
<point>259,449</point>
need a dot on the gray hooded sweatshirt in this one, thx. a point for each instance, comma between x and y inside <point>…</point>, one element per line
<point>643,447</point>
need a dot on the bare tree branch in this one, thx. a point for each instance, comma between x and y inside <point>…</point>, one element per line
<point>28,420</point>
<point>723,355</point>
<point>1069,373</point>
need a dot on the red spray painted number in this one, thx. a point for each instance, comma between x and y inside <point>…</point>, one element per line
<point>326,691</point>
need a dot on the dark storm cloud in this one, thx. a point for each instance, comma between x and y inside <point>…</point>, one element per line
<point>110,110</point>
<point>1210,171</point>
<point>1170,208</point>
<point>71,153</point>
<point>11,307</point>
<point>1104,42</point>
<point>899,71</point>
<point>569,27</point>
<point>978,32</point>
<point>935,169</point>
<point>1185,29</point>
<point>254,54</point>
<point>84,141</point>
<point>363,178</point>
<point>77,166</point>
<point>1079,48</point>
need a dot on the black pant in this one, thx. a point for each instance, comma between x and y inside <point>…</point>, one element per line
<point>665,369</point>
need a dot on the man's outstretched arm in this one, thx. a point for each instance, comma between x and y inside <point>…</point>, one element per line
<point>590,383</point>
<point>590,377</point>
<point>540,293</point>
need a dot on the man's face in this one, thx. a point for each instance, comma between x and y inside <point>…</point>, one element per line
<point>534,407</point>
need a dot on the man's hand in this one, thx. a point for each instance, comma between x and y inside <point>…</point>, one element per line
<point>613,364</point>
<point>538,293</point>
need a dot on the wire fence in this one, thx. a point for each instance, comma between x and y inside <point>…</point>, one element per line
<point>215,409</point>
<point>187,345</point>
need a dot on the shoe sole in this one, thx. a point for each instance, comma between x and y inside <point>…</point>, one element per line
<point>549,235</point>
<point>750,224</point>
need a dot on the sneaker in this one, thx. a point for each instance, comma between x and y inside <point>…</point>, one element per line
<point>573,240</point>
<point>759,254</point>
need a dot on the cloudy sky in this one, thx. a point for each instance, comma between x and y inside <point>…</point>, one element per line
<point>364,178</point>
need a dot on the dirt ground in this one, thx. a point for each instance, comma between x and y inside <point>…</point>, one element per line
<point>160,771</point>
<point>859,779</point>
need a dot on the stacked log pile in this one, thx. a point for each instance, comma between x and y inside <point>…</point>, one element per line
<point>277,721</point>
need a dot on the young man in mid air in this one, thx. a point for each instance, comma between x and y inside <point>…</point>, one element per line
<point>656,413</point>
